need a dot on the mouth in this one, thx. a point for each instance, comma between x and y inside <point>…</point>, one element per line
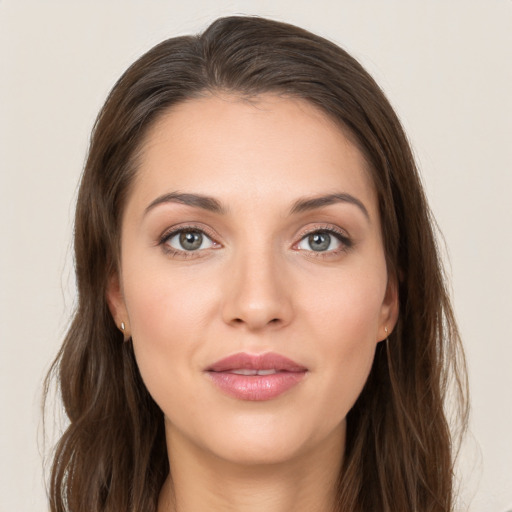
<point>256,377</point>
<point>254,372</point>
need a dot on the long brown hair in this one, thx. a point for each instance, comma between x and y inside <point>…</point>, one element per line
<point>399,451</point>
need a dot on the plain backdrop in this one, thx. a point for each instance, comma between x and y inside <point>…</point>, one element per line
<point>446,68</point>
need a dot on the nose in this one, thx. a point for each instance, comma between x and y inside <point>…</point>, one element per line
<point>258,295</point>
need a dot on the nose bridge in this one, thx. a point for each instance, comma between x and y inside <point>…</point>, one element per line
<point>257,294</point>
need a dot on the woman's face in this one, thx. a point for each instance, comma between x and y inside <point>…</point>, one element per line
<point>253,279</point>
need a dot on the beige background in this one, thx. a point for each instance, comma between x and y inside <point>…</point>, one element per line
<point>446,67</point>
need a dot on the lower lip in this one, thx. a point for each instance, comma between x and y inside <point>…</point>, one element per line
<point>256,387</point>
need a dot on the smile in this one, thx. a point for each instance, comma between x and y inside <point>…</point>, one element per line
<point>255,377</point>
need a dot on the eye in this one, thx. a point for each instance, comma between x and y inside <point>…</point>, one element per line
<point>324,241</point>
<point>188,240</point>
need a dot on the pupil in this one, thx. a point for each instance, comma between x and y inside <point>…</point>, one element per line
<point>319,241</point>
<point>191,240</point>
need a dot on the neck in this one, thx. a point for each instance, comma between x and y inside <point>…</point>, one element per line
<point>202,481</point>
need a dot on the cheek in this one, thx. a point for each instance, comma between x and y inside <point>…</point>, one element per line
<point>348,307</point>
<point>167,319</point>
<point>165,301</point>
<point>345,324</point>
<point>158,307</point>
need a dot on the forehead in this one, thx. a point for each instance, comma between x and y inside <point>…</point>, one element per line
<point>265,148</point>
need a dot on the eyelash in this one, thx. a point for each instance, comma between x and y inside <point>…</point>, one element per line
<point>341,236</point>
<point>345,241</point>
<point>171,251</point>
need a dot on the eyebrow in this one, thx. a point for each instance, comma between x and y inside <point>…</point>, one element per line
<point>303,205</point>
<point>198,200</point>
<point>213,205</point>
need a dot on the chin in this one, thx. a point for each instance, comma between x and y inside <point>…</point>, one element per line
<point>261,452</point>
<point>269,441</point>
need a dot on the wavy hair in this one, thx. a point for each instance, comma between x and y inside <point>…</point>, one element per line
<point>399,450</point>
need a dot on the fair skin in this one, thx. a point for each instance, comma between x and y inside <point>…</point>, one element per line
<point>256,268</point>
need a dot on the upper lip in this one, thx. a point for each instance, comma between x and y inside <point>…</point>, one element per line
<point>267,361</point>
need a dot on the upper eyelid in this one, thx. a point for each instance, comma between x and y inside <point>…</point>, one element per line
<point>328,228</point>
<point>174,230</point>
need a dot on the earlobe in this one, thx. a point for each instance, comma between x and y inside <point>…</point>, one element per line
<point>116,305</point>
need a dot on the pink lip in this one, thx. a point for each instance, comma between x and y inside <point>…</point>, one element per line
<point>256,387</point>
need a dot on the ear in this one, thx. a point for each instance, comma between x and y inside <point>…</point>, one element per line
<point>389,310</point>
<point>117,306</point>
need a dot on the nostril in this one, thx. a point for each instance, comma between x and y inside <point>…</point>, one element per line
<point>240,321</point>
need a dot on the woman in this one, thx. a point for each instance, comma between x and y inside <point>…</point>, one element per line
<point>262,322</point>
